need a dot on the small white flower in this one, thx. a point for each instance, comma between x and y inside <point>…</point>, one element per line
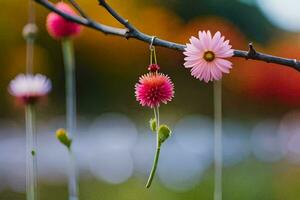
<point>29,88</point>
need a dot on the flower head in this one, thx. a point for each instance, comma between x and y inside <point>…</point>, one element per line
<point>154,89</point>
<point>59,27</point>
<point>29,88</point>
<point>205,56</point>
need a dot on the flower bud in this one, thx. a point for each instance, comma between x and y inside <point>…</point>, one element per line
<point>153,67</point>
<point>30,31</point>
<point>163,133</point>
<point>59,27</point>
<point>62,136</point>
<point>152,124</point>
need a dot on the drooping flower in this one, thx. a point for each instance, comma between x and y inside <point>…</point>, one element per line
<point>59,27</point>
<point>154,89</point>
<point>205,56</point>
<point>29,88</point>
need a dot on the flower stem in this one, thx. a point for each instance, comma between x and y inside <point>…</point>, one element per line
<point>218,139</point>
<point>158,144</point>
<point>29,55</point>
<point>31,160</point>
<point>69,62</point>
<point>30,40</point>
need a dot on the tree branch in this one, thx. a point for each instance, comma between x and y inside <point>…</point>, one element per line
<point>131,32</point>
<point>83,21</point>
<point>77,7</point>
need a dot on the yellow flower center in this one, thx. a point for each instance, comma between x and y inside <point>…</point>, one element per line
<point>209,56</point>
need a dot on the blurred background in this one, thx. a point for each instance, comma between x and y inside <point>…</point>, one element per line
<point>114,146</point>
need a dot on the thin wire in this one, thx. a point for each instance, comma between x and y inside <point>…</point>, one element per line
<point>152,51</point>
<point>151,43</point>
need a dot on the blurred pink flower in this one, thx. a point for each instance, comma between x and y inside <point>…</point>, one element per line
<point>154,89</point>
<point>29,88</point>
<point>205,56</point>
<point>58,27</point>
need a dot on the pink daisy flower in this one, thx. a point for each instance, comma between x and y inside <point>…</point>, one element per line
<point>29,88</point>
<point>205,56</point>
<point>154,89</point>
<point>58,27</point>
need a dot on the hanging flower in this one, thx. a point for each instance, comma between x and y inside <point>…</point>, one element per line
<point>29,88</point>
<point>154,89</point>
<point>205,56</point>
<point>59,27</point>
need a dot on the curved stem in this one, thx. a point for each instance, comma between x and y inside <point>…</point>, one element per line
<point>158,144</point>
<point>31,160</point>
<point>69,62</point>
<point>154,166</point>
<point>218,139</point>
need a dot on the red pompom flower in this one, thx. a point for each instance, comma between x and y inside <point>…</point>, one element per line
<point>154,89</point>
<point>58,27</point>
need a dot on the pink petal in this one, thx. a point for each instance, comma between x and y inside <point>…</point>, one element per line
<point>191,53</point>
<point>198,70</point>
<point>223,65</point>
<point>215,40</point>
<point>217,73</point>
<point>190,64</point>
<point>191,58</point>
<point>196,42</point>
<point>205,41</point>
<point>191,48</point>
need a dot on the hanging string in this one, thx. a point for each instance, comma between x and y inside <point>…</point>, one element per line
<point>218,160</point>
<point>152,51</point>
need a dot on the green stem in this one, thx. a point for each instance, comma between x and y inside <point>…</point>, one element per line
<point>31,161</point>
<point>218,139</point>
<point>158,144</point>
<point>30,40</point>
<point>29,55</point>
<point>69,62</point>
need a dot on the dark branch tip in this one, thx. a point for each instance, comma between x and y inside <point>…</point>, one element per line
<point>128,34</point>
<point>295,61</point>
<point>251,51</point>
<point>100,2</point>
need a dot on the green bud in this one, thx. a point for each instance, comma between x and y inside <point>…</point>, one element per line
<point>163,133</point>
<point>62,136</point>
<point>152,124</point>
